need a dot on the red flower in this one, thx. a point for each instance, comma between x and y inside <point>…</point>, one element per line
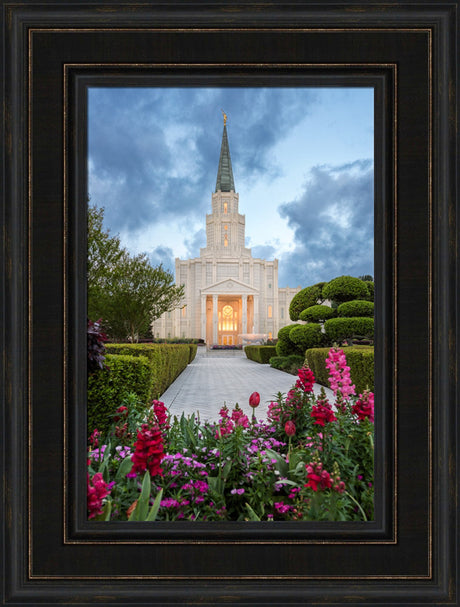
<point>306,379</point>
<point>161,413</point>
<point>97,490</point>
<point>93,439</point>
<point>149,450</point>
<point>123,410</point>
<point>254,399</point>
<point>317,477</point>
<point>322,413</point>
<point>364,406</point>
<point>289,428</point>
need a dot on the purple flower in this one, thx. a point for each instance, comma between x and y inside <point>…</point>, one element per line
<point>237,491</point>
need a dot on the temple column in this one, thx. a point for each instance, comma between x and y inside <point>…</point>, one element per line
<point>256,313</point>
<point>203,317</point>
<point>244,301</point>
<point>214,318</point>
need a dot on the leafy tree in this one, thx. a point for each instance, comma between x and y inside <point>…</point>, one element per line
<point>345,288</point>
<point>125,290</point>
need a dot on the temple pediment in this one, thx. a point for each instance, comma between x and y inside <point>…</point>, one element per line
<point>231,286</point>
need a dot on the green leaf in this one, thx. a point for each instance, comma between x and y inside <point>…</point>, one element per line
<point>140,511</point>
<point>156,505</point>
<point>124,468</point>
<point>280,464</point>
<point>252,515</point>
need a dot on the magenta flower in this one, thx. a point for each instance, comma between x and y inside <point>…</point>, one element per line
<point>97,490</point>
<point>364,406</point>
<point>254,399</point>
<point>339,374</point>
<point>289,428</point>
<point>306,379</point>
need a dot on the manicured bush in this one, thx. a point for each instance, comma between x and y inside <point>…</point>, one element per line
<point>370,288</point>
<point>307,336</point>
<point>357,307</point>
<point>193,347</point>
<point>305,299</point>
<point>277,361</point>
<point>345,288</point>
<point>285,345</point>
<point>168,361</point>
<point>260,354</point>
<point>318,313</point>
<point>360,359</point>
<point>109,387</point>
<point>339,329</point>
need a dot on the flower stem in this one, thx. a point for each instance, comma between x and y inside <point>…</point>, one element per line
<point>358,504</point>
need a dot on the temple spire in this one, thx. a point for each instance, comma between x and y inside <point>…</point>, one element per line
<point>225,181</point>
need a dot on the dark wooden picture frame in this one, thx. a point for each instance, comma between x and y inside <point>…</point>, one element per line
<point>52,554</point>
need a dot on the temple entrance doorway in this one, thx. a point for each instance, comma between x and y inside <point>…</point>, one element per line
<point>229,320</point>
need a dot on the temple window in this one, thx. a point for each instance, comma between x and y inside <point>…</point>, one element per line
<point>225,208</point>
<point>270,311</point>
<point>225,240</point>
<point>184,311</point>
<point>282,312</point>
<point>270,335</point>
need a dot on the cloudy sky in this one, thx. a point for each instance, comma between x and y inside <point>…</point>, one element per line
<point>302,163</point>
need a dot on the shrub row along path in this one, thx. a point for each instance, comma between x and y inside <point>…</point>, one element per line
<point>216,378</point>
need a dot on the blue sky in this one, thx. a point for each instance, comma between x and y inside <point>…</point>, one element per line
<point>302,163</point>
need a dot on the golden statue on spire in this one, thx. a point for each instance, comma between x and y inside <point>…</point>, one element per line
<point>225,116</point>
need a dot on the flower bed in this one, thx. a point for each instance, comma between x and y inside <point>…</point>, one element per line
<point>309,460</point>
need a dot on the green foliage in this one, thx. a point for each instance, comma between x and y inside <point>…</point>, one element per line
<point>305,299</point>
<point>125,290</point>
<point>290,364</point>
<point>260,354</point>
<point>345,288</point>
<point>339,329</point>
<point>370,288</point>
<point>318,313</point>
<point>277,361</point>
<point>108,388</point>
<point>356,307</point>
<point>285,345</point>
<point>193,349</point>
<point>360,359</point>
<point>307,336</point>
<point>167,361</point>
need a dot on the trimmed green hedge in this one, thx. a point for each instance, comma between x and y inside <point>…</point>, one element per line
<point>285,346</point>
<point>318,313</point>
<point>345,288</point>
<point>260,354</point>
<point>167,360</point>
<point>108,388</point>
<point>356,308</point>
<point>290,364</point>
<point>360,359</point>
<point>193,349</point>
<point>307,336</point>
<point>338,329</point>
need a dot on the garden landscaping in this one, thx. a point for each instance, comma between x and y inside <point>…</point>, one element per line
<point>310,459</point>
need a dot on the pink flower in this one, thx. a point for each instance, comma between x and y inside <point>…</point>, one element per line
<point>274,411</point>
<point>93,439</point>
<point>289,428</point>
<point>97,490</point>
<point>306,379</point>
<point>240,418</point>
<point>339,373</point>
<point>254,399</point>
<point>364,406</point>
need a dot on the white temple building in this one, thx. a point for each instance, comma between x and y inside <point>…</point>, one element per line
<point>230,296</point>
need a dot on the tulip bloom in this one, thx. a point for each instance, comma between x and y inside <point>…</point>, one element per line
<point>289,428</point>
<point>254,399</point>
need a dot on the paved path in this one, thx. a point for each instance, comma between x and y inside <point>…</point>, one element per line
<point>219,377</point>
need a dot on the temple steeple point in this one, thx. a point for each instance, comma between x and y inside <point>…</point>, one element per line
<point>224,182</point>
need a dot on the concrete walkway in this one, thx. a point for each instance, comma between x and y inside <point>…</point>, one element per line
<point>217,377</point>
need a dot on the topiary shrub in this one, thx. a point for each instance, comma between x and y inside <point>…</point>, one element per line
<point>339,329</point>
<point>370,288</point>
<point>285,346</point>
<point>260,354</point>
<point>307,336</point>
<point>345,288</point>
<point>318,313</point>
<point>277,361</point>
<point>357,307</point>
<point>305,299</point>
<point>360,359</point>
<point>109,387</point>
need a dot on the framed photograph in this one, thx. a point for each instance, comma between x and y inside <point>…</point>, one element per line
<point>56,57</point>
